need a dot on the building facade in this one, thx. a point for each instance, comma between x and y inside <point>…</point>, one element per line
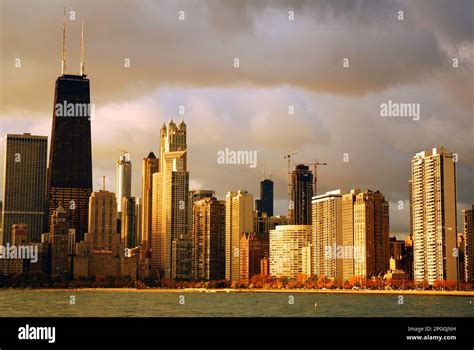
<point>238,220</point>
<point>209,239</point>
<point>286,250</point>
<point>433,201</point>
<point>302,189</point>
<point>24,185</point>
<point>468,233</point>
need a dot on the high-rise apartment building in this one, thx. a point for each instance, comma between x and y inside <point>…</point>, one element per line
<point>170,199</point>
<point>24,185</point>
<point>194,196</point>
<point>327,234</point>
<point>238,220</point>
<point>299,207</point>
<point>286,250</point>
<point>468,233</point>
<point>433,202</point>
<point>365,234</point>
<point>209,239</point>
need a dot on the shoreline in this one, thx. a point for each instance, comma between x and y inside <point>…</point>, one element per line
<point>229,290</point>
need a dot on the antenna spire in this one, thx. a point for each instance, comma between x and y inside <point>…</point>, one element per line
<point>103,183</point>
<point>82,48</point>
<point>63,60</point>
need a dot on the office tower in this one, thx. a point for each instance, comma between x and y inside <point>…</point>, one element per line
<point>371,234</point>
<point>327,235</point>
<point>252,250</point>
<point>124,180</point>
<point>265,203</point>
<point>262,224</point>
<point>433,176</point>
<point>238,220</point>
<point>182,258</point>
<point>102,220</point>
<point>209,239</point>
<point>299,210</point>
<point>150,166</point>
<point>59,240</point>
<point>170,198</point>
<point>194,196</point>
<point>468,233</point>
<point>286,246</point>
<point>24,184</point>
<point>100,252</point>
<point>69,178</point>
<point>129,222</point>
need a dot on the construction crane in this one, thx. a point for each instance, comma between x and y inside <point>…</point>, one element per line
<point>315,175</point>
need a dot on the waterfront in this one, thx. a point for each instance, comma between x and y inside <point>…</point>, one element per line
<point>161,303</point>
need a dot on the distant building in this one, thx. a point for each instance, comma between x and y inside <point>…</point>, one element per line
<point>130,216</point>
<point>124,180</point>
<point>239,220</point>
<point>286,245</point>
<point>59,239</point>
<point>365,226</point>
<point>262,223</point>
<point>265,203</point>
<point>149,167</point>
<point>170,211</point>
<point>182,263</point>
<point>468,232</point>
<point>433,201</point>
<point>327,234</point>
<point>24,185</point>
<point>252,250</point>
<point>69,177</point>
<point>209,239</point>
<point>302,183</point>
<point>101,253</point>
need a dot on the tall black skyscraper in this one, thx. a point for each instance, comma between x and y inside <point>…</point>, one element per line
<point>299,211</point>
<point>265,203</point>
<point>70,160</point>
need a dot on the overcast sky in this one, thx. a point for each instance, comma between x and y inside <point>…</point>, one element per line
<point>283,63</point>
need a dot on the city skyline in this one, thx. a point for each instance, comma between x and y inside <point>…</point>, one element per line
<point>255,101</point>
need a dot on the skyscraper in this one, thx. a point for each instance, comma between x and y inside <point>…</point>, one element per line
<point>265,203</point>
<point>238,220</point>
<point>149,167</point>
<point>371,234</point>
<point>286,250</point>
<point>124,180</point>
<point>252,250</point>
<point>24,184</point>
<point>468,231</point>
<point>59,239</point>
<point>348,201</point>
<point>69,179</point>
<point>299,211</point>
<point>194,196</point>
<point>129,222</point>
<point>433,201</point>
<point>327,234</point>
<point>170,198</point>
<point>209,239</point>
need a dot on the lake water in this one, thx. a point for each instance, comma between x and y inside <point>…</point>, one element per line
<point>27,303</point>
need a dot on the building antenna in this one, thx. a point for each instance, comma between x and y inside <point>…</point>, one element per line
<point>103,183</point>
<point>63,61</point>
<point>82,48</point>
